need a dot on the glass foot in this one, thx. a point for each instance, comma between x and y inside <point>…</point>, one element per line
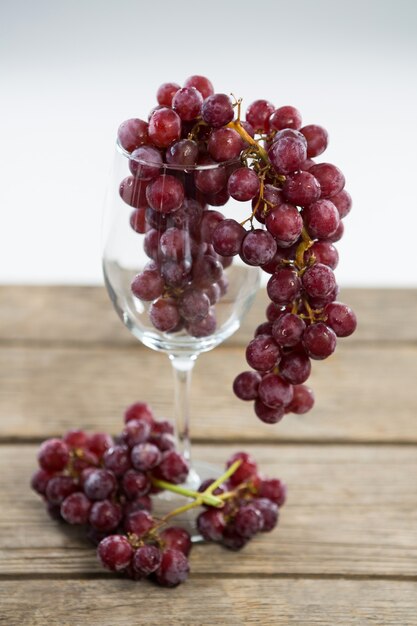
<point>166,501</point>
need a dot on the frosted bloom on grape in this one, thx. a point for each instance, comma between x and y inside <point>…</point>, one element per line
<point>331,179</point>
<point>187,102</point>
<point>224,144</point>
<point>287,154</point>
<point>166,92</point>
<point>217,110</point>
<point>243,184</point>
<point>285,117</point>
<point>319,280</point>
<point>202,84</point>
<point>258,114</point>
<point>164,127</point>
<point>227,237</point>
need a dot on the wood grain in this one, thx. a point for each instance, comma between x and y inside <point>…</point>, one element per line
<point>85,315</point>
<point>351,511</point>
<point>363,393</point>
<point>212,602</point>
<point>346,546</point>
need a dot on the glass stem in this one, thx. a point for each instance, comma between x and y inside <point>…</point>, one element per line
<point>182,367</point>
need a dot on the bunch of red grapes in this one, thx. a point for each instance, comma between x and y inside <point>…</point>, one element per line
<point>106,484</point>
<point>296,217</point>
<point>251,505</point>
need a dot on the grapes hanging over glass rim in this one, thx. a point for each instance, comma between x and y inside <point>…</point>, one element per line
<point>295,212</point>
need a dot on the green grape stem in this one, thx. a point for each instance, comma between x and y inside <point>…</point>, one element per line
<point>199,498</point>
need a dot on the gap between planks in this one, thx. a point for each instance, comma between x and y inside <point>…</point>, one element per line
<point>29,441</point>
<point>217,576</point>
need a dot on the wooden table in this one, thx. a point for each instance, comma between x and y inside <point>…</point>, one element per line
<point>345,551</point>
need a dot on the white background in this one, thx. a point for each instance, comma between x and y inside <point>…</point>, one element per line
<point>72,71</point>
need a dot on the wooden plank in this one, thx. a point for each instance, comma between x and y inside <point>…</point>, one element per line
<point>85,315</point>
<point>352,511</point>
<point>212,602</point>
<point>363,393</point>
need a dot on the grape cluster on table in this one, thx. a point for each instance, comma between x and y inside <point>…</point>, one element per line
<point>252,508</point>
<point>105,484</point>
<point>297,212</point>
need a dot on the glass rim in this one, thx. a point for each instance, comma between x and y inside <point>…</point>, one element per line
<point>177,167</point>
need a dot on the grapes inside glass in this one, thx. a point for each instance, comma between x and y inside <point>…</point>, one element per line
<point>169,287</point>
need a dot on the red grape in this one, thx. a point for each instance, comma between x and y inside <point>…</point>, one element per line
<point>173,570</point>
<point>287,153</point>
<point>319,341</point>
<point>217,110</point>
<point>342,202</point>
<point>246,385</point>
<point>53,455</point>
<point>132,134</point>
<point>285,117</point>
<point>317,139</point>
<point>284,286</point>
<point>295,367</point>
<point>145,162</point>
<point>258,247</point>
<point>227,237</point>
<point>262,353</point>
<point>246,471</point>
<point>224,144</point>
<point>285,224</point>
<point>176,538</point>
<point>287,330</point>
<point>267,414</point>
<point>340,318</point>
<point>301,188</point>
<point>321,219</point>
<point>145,456</point>
<point>248,521</point>
<point>173,467</point>
<point>202,84</point>
<point>75,509</point>
<point>139,411</point>
<point>274,391</point>
<point>268,511</point>
<point>148,285</point>
<point>138,220</point>
<point>166,92</point>
<point>318,280</point>
<point>243,184</point>
<point>147,559</point>
<point>258,114</point>
<point>330,178</point>
<point>115,552</point>
<point>211,524</point>
<point>99,484</point>
<point>302,401</point>
<point>165,194</point>
<point>182,152</point>
<point>323,252</point>
<point>164,127</point>
<point>187,102</point>
<point>105,516</point>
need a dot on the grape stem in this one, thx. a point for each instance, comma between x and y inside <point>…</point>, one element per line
<point>203,497</point>
<point>237,126</point>
<point>206,498</point>
<point>305,244</point>
<point>260,199</point>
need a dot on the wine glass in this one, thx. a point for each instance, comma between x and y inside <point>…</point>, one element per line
<point>166,282</point>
